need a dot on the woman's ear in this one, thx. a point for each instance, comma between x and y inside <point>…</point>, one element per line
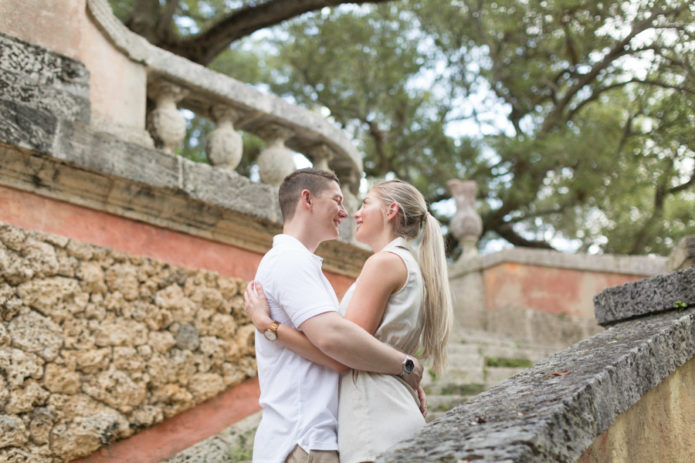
<point>392,211</point>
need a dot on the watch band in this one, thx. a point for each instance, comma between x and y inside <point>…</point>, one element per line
<point>271,334</point>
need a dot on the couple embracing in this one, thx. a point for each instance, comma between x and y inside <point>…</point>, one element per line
<point>339,380</point>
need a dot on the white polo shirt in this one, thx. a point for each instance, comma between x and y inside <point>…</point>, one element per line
<point>299,398</point>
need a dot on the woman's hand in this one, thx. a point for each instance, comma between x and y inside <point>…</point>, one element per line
<point>257,307</point>
<point>422,397</point>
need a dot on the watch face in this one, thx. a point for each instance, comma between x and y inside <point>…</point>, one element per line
<point>409,366</point>
<point>270,335</point>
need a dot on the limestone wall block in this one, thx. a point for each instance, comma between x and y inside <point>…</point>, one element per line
<point>34,333</point>
<point>161,341</point>
<point>50,296</point>
<point>212,349</point>
<point>246,337</point>
<point>86,434</point>
<point>12,237</point>
<point>230,287</point>
<point>205,385</point>
<point>88,361</point>
<point>17,366</point>
<point>11,308</point>
<point>158,370</point>
<point>146,416</point>
<point>4,392</point>
<point>67,265</point>
<point>145,351</point>
<point>179,306</point>
<point>95,310</point>
<point>13,268</point>
<point>187,337</point>
<point>68,407</point>
<point>173,399</point>
<point>181,366</point>
<point>4,336</point>
<point>61,380</point>
<point>40,257</point>
<point>127,359</point>
<point>42,421</point>
<point>57,241</point>
<point>231,374</point>
<point>223,326</point>
<point>124,279</point>
<point>78,334</point>
<point>12,431</point>
<point>116,389</point>
<point>156,318</point>
<point>92,276</point>
<point>207,298</point>
<point>119,332</point>
<point>25,399</point>
<point>80,250</point>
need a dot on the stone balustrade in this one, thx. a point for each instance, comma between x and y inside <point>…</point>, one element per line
<point>174,83</point>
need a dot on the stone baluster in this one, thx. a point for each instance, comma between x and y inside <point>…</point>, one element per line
<point>321,155</point>
<point>275,161</point>
<point>166,124</point>
<point>466,225</point>
<point>224,145</point>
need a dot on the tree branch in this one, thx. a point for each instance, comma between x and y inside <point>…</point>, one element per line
<point>204,47</point>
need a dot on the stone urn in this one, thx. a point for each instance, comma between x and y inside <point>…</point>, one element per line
<point>466,225</point>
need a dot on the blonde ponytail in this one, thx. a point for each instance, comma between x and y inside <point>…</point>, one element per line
<point>438,310</point>
<point>437,307</point>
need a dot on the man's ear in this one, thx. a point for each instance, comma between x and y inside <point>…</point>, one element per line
<point>306,199</point>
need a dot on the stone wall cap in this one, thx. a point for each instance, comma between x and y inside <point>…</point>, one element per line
<point>555,410</point>
<point>605,263</point>
<point>656,294</point>
<point>683,255</point>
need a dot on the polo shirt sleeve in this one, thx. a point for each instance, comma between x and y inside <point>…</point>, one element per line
<point>302,291</point>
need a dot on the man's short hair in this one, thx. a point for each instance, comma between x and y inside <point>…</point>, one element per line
<point>314,180</point>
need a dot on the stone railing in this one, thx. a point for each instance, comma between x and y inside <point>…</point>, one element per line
<point>624,394</point>
<point>96,345</point>
<point>174,82</point>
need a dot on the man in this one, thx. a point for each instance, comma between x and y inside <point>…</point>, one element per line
<point>299,397</point>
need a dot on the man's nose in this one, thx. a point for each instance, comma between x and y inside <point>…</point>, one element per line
<point>343,213</point>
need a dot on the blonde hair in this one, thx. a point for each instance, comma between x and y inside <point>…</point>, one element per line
<point>414,218</point>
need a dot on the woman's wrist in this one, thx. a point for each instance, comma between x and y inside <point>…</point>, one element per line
<point>262,323</point>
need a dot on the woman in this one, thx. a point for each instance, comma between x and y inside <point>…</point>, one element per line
<point>402,301</point>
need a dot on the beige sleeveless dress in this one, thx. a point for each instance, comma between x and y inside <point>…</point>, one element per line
<point>376,411</point>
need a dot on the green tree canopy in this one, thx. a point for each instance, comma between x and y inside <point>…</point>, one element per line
<point>576,119</point>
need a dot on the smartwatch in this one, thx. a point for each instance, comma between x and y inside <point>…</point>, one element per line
<point>408,366</point>
<point>271,334</point>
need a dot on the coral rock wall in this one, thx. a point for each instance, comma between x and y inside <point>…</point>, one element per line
<point>96,344</point>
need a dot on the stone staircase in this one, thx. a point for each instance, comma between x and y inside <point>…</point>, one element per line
<point>477,361</point>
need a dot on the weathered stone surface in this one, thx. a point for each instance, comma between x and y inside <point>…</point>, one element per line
<point>42,420</point>
<point>684,254</point>
<point>54,297</point>
<point>86,434</point>
<point>12,431</point>
<point>187,338</point>
<point>16,366</point>
<point>61,380</point>
<point>92,276</point>
<point>651,295</point>
<point>117,389</point>
<point>34,333</point>
<point>120,332</point>
<point>123,278</point>
<point>205,385</point>
<point>90,333</point>
<point>27,398</point>
<point>555,410</point>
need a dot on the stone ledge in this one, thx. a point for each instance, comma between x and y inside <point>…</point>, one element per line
<point>539,416</point>
<point>629,265</point>
<point>655,294</point>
